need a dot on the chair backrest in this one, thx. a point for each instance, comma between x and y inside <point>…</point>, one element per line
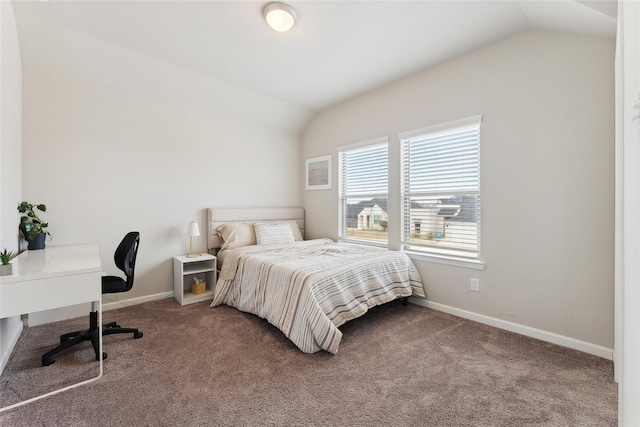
<point>125,256</point>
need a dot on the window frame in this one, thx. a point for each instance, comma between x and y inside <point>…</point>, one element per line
<point>454,257</point>
<point>342,197</point>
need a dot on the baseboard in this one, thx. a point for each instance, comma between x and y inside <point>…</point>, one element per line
<point>80,310</point>
<point>135,301</point>
<point>596,350</point>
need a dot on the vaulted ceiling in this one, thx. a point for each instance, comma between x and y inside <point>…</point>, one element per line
<point>337,49</point>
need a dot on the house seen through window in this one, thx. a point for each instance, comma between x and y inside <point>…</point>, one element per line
<point>363,173</point>
<point>441,189</point>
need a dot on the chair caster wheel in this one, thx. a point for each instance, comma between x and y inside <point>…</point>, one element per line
<point>104,356</point>
<point>49,361</point>
<point>137,335</point>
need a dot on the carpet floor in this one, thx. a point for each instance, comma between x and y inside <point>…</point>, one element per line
<point>396,366</point>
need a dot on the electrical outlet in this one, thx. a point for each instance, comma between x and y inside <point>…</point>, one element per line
<point>475,285</point>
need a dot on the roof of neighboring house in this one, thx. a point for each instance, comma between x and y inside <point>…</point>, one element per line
<point>449,211</point>
<point>380,201</point>
<point>353,210</point>
<point>456,208</point>
<point>465,211</point>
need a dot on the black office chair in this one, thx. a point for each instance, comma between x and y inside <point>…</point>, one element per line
<point>125,260</point>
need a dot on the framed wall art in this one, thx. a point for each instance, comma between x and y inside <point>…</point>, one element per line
<point>318,173</point>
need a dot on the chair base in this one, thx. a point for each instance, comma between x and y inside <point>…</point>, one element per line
<point>92,334</point>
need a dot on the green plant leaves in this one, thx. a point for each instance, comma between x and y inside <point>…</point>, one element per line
<point>30,224</point>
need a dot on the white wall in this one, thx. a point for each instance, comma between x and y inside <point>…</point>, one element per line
<point>10,128</point>
<point>547,171</point>
<point>10,155</point>
<point>136,152</point>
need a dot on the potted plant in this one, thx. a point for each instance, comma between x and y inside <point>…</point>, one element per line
<point>31,226</point>
<point>5,258</point>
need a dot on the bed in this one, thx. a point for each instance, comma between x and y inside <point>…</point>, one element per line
<point>305,288</point>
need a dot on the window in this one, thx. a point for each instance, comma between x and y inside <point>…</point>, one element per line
<point>441,189</point>
<point>363,188</point>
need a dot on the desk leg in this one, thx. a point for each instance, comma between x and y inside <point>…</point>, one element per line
<point>100,338</point>
<point>33,399</point>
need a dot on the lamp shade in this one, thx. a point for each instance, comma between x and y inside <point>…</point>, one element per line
<point>193,229</point>
<point>279,16</point>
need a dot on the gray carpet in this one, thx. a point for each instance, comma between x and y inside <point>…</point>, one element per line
<point>397,366</point>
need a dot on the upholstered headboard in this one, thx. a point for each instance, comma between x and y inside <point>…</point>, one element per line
<point>218,216</point>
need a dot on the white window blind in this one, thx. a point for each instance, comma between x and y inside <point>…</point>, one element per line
<point>363,190</point>
<point>441,189</point>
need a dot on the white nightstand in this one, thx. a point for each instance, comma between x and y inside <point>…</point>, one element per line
<point>185,269</point>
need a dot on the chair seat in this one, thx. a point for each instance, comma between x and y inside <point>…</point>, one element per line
<point>113,284</point>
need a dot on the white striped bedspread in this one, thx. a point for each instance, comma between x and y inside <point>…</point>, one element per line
<point>308,289</point>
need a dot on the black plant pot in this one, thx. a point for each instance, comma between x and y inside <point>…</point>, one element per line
<point>38,242</point>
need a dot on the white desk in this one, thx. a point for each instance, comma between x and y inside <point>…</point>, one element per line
<point>50,278</point>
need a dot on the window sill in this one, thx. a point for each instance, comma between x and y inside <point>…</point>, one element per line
<point>453,261</point>
<point>365,243</point>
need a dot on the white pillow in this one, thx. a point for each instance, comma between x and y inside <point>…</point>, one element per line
<point>269,234</point>
<point>236,234</point>
<point>295,229</point>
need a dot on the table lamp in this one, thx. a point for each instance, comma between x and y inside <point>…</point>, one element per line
<point>192,231</point>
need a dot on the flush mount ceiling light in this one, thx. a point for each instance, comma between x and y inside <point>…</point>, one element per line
<point>279,16</point>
